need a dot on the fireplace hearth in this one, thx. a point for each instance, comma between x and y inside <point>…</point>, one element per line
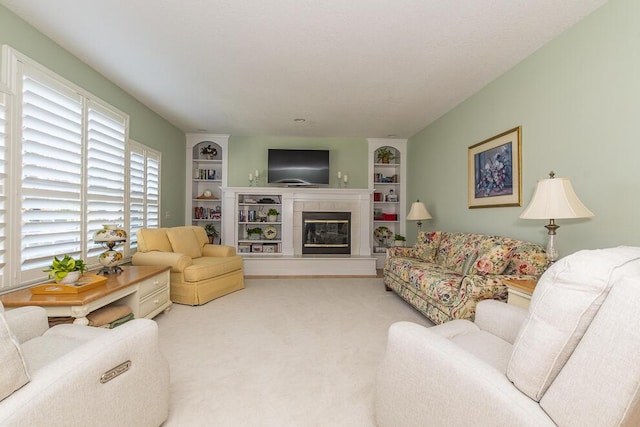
<point>327,233</point>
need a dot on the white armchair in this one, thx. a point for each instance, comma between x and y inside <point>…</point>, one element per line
<point>572,359</point>
<point>73,375</point>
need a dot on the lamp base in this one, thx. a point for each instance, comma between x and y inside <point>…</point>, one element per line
<point>110,270</point>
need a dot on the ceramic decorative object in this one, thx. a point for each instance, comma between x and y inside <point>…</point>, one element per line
<point>110,236</point>
<point>70,278</point>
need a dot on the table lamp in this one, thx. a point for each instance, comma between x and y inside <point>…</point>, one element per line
<point>418,212</point>
<point>553,199</point>
<point>109,237</point>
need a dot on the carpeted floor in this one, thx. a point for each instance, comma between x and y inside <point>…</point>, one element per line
<point>282,352</point>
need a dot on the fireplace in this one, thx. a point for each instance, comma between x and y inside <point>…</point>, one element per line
<point>326,233</point>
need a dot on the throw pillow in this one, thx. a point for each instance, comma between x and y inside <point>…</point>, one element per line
<point>493,260</point>
<point>184,241</point>
<point>567,298</point>
<point>13,374</point>
<point>154,239</point>
<point>468,263</point>
<point>426,246</point>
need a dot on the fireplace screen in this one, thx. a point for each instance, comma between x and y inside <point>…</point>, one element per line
<point>326,233</point>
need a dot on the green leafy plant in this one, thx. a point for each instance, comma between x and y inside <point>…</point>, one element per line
<point>272,211</point>
<point>255,230</point>
<point>211,230</point>
<point>385,155</point>
<point>59,268</point>
<point>399,237</point>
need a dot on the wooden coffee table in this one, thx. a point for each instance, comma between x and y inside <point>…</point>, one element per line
<point>145,289</point>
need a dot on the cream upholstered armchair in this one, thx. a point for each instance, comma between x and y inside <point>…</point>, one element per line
<point>200,271</point>
<point>74,375</point>
<point>572,359</point>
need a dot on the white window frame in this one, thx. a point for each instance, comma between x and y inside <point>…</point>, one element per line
<point>148,154</point>
<point>11,276</point>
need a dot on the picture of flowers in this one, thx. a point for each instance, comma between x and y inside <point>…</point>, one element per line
<point>495,171</point>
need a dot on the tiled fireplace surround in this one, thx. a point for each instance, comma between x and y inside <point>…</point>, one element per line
<point>294,202</point>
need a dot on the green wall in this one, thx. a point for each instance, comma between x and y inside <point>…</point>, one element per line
<point>578,102</point>
<point>348,155</point>
<point>145,126</point>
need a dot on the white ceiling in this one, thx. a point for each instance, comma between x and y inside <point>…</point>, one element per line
<point>361,68</point>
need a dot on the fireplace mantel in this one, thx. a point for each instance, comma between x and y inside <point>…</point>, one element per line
<point>295,200</point>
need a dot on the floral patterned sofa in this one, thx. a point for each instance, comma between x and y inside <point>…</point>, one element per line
<point>445,274</point>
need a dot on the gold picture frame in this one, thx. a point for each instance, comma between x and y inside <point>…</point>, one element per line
<point>495,171</point>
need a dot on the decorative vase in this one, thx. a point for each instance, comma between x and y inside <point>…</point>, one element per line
<point>71,278</point>
<point>398,242</point>
<point>272,218</point>
<point>110,258</point>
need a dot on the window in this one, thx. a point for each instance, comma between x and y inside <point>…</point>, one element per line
<point>144,190</point>
<point>74,171</point>
<point>3,186</point>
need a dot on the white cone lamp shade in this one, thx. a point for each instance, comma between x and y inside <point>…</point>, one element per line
<point>553,199</point>
<point>418,212</point>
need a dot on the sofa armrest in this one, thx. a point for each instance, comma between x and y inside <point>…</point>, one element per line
<point>425,378</point>
<point>176,260</point>
<point>70,387</point>
<point>27,322</point>
<point>500,319</point>
<point>218,250</point>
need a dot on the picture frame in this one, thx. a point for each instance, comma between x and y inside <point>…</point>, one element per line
<point>495,171</point>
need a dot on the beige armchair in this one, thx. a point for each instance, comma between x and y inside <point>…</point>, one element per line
<point>200,271</point>
<point>74,375</point>
<point>572,359</point>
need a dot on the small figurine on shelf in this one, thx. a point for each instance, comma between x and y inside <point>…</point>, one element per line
<point>208,152</point>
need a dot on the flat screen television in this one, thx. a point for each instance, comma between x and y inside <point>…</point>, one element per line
<point>298,167</point>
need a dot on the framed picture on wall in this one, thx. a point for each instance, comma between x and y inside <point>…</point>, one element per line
<point>495,171</point>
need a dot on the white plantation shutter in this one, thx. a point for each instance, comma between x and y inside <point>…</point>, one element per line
<point>152,202</point>
<point>144,190</point>
<point>51,191</point>
<point>136,194</point>
<point>105,171</point>
<point>3,188</point>
<point>72,170</point>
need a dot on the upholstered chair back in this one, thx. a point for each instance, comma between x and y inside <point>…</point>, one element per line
<point>578,351</point>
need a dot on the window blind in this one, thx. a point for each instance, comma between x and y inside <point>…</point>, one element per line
<point>144,190</point>
<point>3,186</point>
<point>51,192</point>
<point>105,171</point>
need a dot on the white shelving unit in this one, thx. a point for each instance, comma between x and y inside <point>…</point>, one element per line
<point>388,182</point>
<point>206,176</point>
<point>252,211</point>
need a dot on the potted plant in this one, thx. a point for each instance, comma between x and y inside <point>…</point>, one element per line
<point>254,233</point>
<point>385,155</point>
<point>208,152</point>
<point>272,215</point>
<point>212,232</point>
<point>399,240</point>
<point>66,270</point>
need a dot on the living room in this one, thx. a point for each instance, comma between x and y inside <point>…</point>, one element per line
<point>576,99</point>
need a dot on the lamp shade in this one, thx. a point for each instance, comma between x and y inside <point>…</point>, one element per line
<point>418,212</point>
<point>110,233</point>
<point>554,198</point>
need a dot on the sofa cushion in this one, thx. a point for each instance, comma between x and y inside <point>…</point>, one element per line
<point>13,374</point>
<point>527,259</point>
<point>153,239</point>
<point>426,246</point>
<point>559,316</point>
<point>456,247</point>
<point>205,268</point>
<point>493,257</point>
<point>184,241</point>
